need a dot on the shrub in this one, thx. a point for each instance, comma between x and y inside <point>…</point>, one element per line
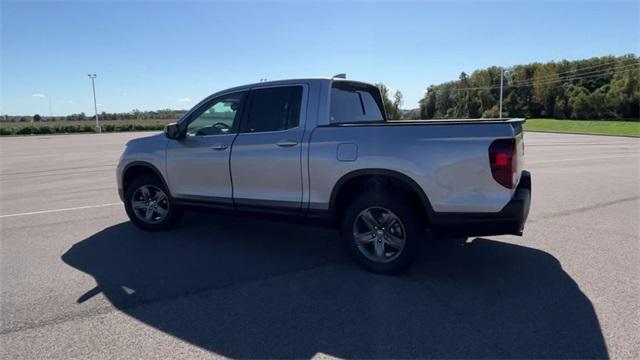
<point>46,130</point>
<point>7,131</point>
<point>69,129</point>
<point>25,130</point>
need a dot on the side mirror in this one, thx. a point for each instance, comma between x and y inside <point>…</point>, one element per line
<point>172,131</point>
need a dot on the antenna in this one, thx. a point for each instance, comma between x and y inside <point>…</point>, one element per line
<point>340,76</point>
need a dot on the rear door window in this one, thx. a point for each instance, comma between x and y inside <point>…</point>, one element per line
<point>274,109</point>
<point>351,102</point>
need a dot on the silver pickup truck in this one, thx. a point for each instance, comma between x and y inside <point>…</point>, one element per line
<point>324,148</point>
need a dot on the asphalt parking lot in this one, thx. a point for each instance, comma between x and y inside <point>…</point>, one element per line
<point>79,281</point>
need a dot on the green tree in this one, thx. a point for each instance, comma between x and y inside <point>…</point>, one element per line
<point>598,103</point>
<point>624,93</point>
<point>428,104</point>
<point>545,81</point>
<point>580,104</point>
<point>392,107</point>
<point>397,99</point>
<point>463,97</point>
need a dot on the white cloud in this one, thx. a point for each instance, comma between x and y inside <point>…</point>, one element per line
<point>184,100</point>
<point>38,95</point>
<point>70,102</point>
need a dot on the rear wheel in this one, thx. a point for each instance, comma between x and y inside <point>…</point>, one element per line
<point>149,205</point>
<point>381,231</point>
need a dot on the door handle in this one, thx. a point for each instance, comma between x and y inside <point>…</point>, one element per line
<point>220,147</point>
<point>287,143</point>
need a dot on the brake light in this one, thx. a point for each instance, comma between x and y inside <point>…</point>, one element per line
<point>503,159</point>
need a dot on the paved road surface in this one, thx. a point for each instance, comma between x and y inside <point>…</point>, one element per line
<point>79,281</point>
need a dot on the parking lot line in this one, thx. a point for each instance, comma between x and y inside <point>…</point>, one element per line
<point>580,159</point>
<point>59,210</point>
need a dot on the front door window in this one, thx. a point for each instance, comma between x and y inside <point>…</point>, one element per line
<point>218,117</point>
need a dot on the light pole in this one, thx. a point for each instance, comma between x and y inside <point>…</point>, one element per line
<point>95,104</point>
<point>501,87</point>
<point>503,74</point>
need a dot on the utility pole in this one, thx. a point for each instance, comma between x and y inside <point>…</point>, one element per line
<point>501,88</point>
<point>50,112</point>
<point>95,104</point>
<point>468,113</point>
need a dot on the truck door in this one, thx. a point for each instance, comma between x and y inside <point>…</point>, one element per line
<point>266,156</point>
<point>198,164</point>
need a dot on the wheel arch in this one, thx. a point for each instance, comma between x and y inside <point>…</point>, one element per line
<point>377,177</point>
<point>136,169</point>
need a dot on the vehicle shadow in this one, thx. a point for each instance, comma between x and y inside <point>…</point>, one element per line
<point>247,288</point>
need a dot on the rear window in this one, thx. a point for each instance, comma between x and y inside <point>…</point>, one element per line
<point>354,102</point>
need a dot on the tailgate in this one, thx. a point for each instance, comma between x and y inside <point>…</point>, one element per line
<point>519,146</point>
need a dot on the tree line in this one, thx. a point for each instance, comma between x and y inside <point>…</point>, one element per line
<point>598,88</point>
<point>135,114</point>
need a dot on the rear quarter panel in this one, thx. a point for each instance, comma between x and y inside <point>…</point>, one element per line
<point>450,162</point>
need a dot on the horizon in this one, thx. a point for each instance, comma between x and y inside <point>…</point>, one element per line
<point>170,59</point>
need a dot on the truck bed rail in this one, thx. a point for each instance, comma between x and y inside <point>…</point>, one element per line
<point>433,122</point>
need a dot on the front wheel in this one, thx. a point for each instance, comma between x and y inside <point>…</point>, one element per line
<point>381,231</point>
<point>149,206</point>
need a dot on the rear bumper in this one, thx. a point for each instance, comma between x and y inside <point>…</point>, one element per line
<point>509,220</point>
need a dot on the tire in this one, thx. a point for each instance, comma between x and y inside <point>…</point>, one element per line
<point>152,209</point>
<point>374,244</point>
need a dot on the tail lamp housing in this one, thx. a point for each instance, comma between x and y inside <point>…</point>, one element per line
<point>503,158</point>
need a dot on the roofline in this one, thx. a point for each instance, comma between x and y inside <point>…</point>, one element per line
<point>288,81</point>
<point>268,83</point>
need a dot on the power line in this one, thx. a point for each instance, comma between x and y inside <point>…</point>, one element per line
<point>577,72</point>
<point>562,79</point>
<point>575,75</point>
<point>612,63</point>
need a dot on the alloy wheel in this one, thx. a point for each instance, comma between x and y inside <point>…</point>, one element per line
<point>379,234</point>
<point>150,204</point>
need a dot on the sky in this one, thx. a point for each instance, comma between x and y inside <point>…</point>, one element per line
<point>157,55</point>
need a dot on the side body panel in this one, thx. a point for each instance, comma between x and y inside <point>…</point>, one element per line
<point>449,162</point>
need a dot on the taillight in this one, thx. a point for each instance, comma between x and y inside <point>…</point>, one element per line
<point>504,162</point>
